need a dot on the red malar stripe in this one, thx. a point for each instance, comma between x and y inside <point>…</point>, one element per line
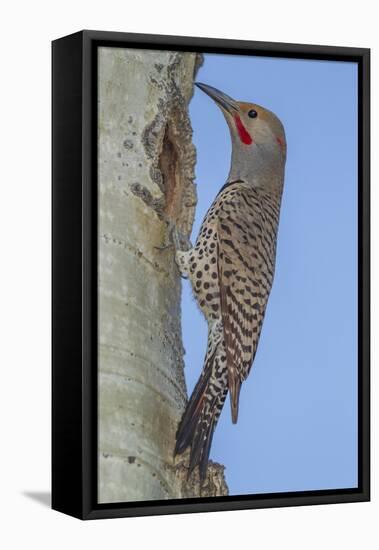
<point>243,133</point>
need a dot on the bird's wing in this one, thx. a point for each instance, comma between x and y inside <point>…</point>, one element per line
<point>246,256</point>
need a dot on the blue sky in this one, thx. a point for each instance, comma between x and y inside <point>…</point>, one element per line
<point>297,426</point>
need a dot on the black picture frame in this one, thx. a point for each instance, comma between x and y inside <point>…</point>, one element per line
<point>74,271</point>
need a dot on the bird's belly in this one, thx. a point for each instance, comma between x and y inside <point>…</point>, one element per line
<point>203,272</point>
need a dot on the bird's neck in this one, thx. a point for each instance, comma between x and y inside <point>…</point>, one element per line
<point>258,167</point>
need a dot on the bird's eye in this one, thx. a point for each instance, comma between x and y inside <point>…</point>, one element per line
<point>252,113</point>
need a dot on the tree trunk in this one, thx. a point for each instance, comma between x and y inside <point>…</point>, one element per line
<point>146,169</point>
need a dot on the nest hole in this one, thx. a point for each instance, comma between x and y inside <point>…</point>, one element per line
<point>169,167</point>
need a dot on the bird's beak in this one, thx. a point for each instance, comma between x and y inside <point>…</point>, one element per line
<point>223,100</point>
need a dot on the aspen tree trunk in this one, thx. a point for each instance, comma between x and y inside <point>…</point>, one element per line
<point>146,170</point>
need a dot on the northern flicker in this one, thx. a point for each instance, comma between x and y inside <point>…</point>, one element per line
<point>231,267</point>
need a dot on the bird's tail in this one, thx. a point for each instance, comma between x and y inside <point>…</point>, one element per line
<point>200,418</point>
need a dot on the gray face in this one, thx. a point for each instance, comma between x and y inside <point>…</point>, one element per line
<point>258,139</point>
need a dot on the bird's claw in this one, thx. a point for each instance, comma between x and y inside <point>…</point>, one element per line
<point>176,239</point>
<point>163,247</point>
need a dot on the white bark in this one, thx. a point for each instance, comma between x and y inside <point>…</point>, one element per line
<point>146,169</point>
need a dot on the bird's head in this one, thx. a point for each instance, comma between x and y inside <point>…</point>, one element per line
<point>257,134</point>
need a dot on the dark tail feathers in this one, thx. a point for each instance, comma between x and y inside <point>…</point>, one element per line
<point>198,423</point>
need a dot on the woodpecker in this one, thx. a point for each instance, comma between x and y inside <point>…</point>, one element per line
<point>231,268</point>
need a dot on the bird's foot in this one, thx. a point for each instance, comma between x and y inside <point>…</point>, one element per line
<point>181,241</point>
<point>164,246</point>
<point>168,243</point>
<point>175,238</point>
<point>181,244</point>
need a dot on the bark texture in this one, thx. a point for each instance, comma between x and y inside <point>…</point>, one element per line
<point>146,170</point>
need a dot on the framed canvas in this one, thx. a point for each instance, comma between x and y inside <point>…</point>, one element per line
<point>210,275</point>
